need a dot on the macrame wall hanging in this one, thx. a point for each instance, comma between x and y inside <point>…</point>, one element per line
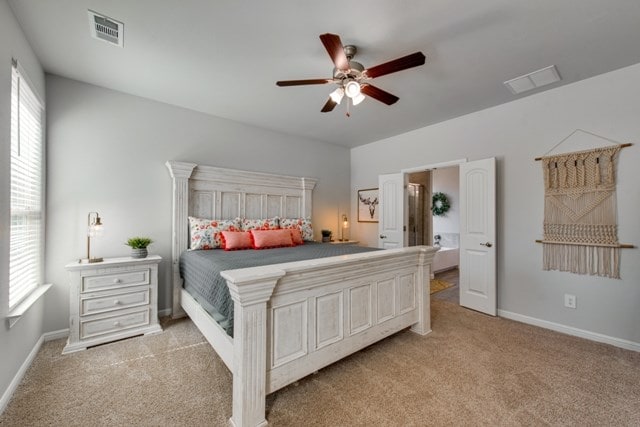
<point>580,215</point>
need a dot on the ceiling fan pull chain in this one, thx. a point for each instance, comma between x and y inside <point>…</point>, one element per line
<point>348,103</point>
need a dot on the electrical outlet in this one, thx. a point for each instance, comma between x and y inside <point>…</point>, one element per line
<point>569,301</point>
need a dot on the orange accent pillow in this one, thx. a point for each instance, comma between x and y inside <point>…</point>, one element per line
<point>265,239</point>
<point>296,236</point>
<point>236,240</point>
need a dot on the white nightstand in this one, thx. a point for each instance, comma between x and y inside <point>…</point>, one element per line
<point>111,300</point>
<point>345,242</point>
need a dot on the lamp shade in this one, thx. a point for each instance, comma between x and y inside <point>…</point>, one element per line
<point>94,228</point>
<point>345,228</point>
<point>352,89</point>
<point>357,99</point>
<point>336,95</point>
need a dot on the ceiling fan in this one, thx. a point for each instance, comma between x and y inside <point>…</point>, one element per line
<point>351,76</point>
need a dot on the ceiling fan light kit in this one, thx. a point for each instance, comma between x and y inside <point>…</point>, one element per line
<point>357,99</point>
<point>352,88</point>
<point>351,76</point>
<point>337,95</point>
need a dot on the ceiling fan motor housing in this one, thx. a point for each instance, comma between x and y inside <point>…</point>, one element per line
<point>354,72</point>
<point>355,68</point>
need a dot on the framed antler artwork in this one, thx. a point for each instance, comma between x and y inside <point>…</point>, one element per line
<point>368,202</point>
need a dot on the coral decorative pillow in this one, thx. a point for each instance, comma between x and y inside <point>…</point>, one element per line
<point>296,236</point>
<point>260,224</point>
<point>236,240</point>
<point>205,233</point>
<point>264,239</point>
<point>302,224</point>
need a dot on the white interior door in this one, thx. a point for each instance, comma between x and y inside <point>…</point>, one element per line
<point>391,214</point>
<point>478,235</point>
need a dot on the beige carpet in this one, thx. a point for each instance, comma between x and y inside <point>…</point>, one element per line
<point>471,370</point>
<point>438,285</point>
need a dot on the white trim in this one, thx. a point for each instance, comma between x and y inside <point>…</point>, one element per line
<point>434,166</point>
<point>19,310</point>
<point>25,76</point>
<point>55,335</point>
<point>570,330</point>
<point>17,379</point>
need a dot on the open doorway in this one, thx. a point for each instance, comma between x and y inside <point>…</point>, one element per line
<point>437,227</point>
<point>476,238</point>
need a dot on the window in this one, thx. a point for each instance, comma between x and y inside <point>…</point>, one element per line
<point>26,244</point>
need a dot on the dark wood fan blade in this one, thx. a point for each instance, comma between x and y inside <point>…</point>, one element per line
<point>303,82</point>
<point>329,106</point>
<point>335,49</point>
<point>409,61</point>
<point>379,94</point>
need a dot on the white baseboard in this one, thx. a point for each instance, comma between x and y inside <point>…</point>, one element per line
<point>569,330</point>
<point>54,335</point>
<point>17,379</point>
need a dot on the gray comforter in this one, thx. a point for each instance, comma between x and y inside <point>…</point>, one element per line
<point>201,271</point>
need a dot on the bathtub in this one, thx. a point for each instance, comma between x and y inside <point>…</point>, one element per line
<point>446,258</point>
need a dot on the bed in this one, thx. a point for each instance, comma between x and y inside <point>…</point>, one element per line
<point>294,318</point>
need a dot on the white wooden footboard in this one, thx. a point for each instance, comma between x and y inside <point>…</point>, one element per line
<point>295,318</point>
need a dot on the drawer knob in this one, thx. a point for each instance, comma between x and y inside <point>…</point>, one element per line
<point>116,280</point>
<point>116,323</point>
<point>116,302</point>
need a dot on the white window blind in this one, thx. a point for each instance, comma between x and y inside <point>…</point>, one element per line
<point>27,162</point>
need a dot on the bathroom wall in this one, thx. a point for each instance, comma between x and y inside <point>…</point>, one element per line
<point>447,181</point>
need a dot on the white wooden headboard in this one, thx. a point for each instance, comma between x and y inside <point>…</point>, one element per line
<point>218,193</point>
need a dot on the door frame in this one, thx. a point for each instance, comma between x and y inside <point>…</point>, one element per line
<point>441,165</point>
<point>434,166</point>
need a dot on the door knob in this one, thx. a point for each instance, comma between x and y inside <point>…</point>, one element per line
<point>382,236</point>
<point>488,244</point>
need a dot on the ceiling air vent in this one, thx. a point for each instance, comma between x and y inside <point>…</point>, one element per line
<point>536,79</point>
<point>106,29</point>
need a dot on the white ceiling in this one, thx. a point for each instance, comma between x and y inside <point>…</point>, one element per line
<point>224,57</point>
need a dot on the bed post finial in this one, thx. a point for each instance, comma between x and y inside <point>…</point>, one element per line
<point>180,173</point>
<point>308,184</point>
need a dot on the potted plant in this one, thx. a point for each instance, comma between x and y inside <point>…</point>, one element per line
<point>326,235</point>
<point>139,246</point>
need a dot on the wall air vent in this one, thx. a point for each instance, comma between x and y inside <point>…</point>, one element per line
<point>106,29</point>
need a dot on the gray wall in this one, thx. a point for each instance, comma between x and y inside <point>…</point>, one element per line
<point>17,342</point>
<point>516,133</point>
<point>107,152</point>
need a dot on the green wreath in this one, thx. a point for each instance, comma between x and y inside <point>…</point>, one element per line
<point>439,204</point>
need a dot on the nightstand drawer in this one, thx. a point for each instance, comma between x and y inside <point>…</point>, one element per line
<point>106,281</point>
<point>114,302</point>
<point>112,324</point>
